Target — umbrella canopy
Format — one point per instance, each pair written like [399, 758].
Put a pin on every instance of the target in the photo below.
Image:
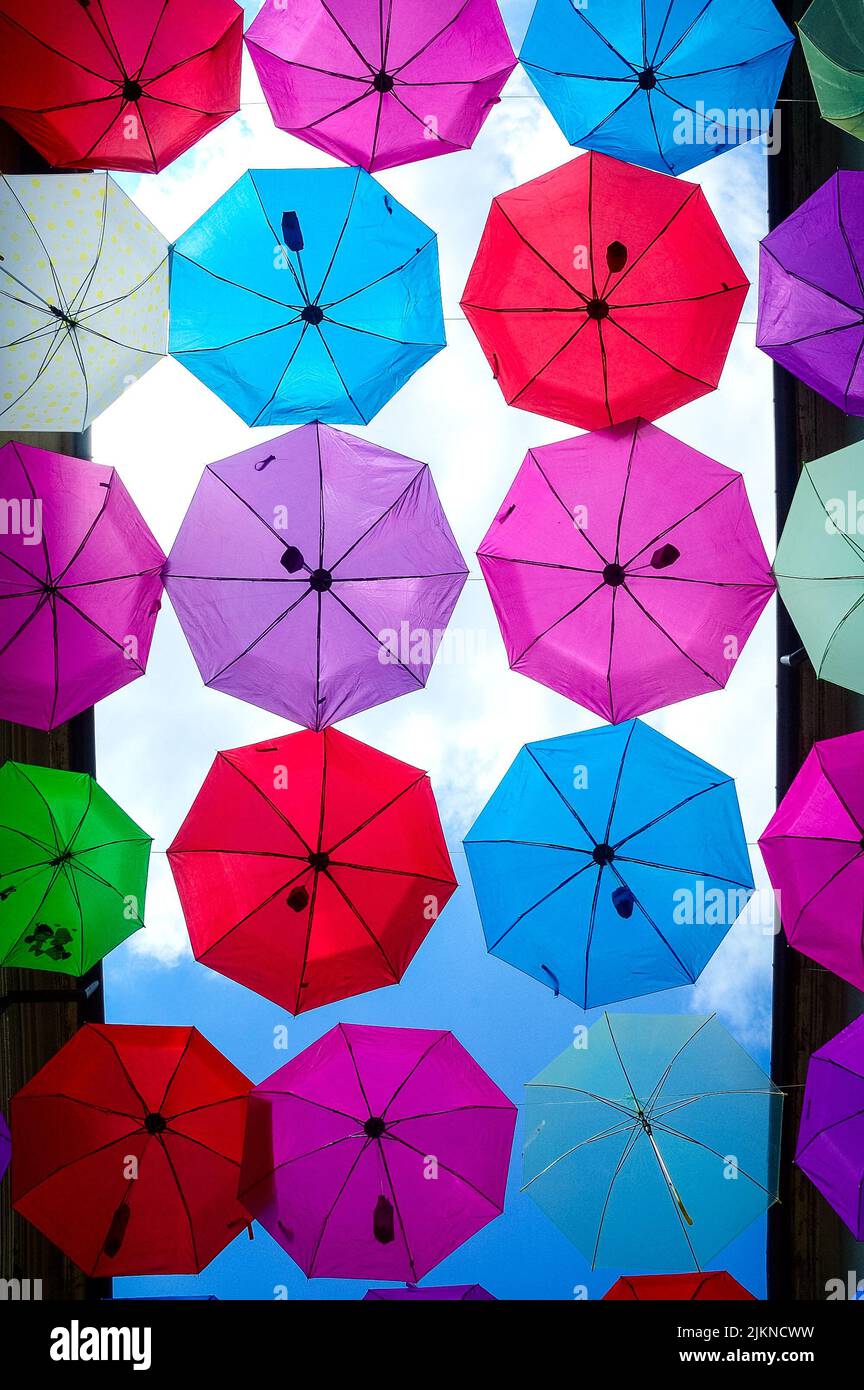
[73, 870]
[834, 49]
[664, 83]
[376, 1152]
[315, 575]
[813, 848]
[381, 94]
[714, 1287]
[80, 586]
[830, 1148]
[456, 1293]
[609, 864]
[654, 1143]
[84, 315]
[601, 292]
[126, 85]
[820, 566]
[811, 292]
[306, 294]
[311, 868]
[127, 1145]
[5, 1146]
[625, 569]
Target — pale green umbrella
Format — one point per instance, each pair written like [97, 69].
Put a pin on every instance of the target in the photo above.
[820, 565]
[832, 35]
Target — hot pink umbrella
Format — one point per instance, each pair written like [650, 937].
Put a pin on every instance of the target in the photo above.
[80, 586]
[626, 570]
[376, 88]
[452, 1293]
[813, 848]
[376, 1152]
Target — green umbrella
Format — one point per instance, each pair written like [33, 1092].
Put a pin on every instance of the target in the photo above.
[820, 565]
[833, 40]
[73, 870]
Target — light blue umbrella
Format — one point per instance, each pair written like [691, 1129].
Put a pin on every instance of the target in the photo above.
[652, 1142]
[306, 294]
[609, 864]
[663, 83]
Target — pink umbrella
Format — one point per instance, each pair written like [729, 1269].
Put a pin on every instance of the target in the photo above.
[381, 90]
[452, 1293]
[625, 569]
[813, 848]
[376, 1152]
[80, 586]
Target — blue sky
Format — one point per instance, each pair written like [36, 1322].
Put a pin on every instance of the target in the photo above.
[157, 737]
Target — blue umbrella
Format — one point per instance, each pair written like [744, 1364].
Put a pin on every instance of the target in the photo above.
[609, 864]
[305, 294]
[664, 83]
[652, 1142]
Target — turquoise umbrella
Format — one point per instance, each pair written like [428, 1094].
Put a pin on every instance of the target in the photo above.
[652, 1141]
[820, 565]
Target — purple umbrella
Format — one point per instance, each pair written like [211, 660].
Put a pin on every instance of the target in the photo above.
[811, 292]
[454, 1293]
[376, 1152]
[5, 1146]
[831, 1135]
[80, 586]
[314, 575]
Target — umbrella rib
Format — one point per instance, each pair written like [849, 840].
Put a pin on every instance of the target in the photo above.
[811, 284]
[650, 920]
[217, 675]
[347, 37]
[54, 826]
[844, 535]
[280, 243]
[655, 1094]
[688, 1139]
[246, 289]
[685, 35]
[546, 365]
[348, 1176]
[109, 1042]
[79, 1158]
[411, 1071]
[248, 506]
[397, 270]
[685, 202]
[539, 903]
[560, 499]
[372, 525]
[151, 40]
[382, 1155]
[38, 236]
[342, 381]
[853, 370]
[660, 628]
[56, 51]
[366, 927]
[681, 869]
[10, 950]
[727, 67]
[609, 691]
[656, 133]
[658, 355]
[835, 1124]
[559, 793]
[529, 844]
[181, 1057]
[375, 814]
[563, 618]
[338, 241]
[40, 844]
[540, 257]
[580, 14]
[83, 289]
[679, 521]
[848, 614]
[347, 1041]
[382, 337]
[39, 606]
[632, 1141]
[271, 804]
[847, 243]
[288, 365]
[451, 22]
[649, 825]
[190, 58]
[391, 655]
[664, 26]
[398, 873]
[579, 1091]
[819, 891]
[397, 1139]
[79, 357]
[92, 622]
[451, 1110]
[589, 935]
[57, 342]
[583, 1143]
[108, 41]
[182, 1195]
[106, 498]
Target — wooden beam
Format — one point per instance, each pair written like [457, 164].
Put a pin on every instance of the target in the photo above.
[808, 1245]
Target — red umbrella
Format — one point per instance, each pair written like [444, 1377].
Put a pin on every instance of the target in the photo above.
[601, 292]
[127, 1150]
[310, 868]
[712, 1287]
[129, 84]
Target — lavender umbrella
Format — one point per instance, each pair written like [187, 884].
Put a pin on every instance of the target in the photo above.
[831, 1135]
[811, 292]
[80, 586]
[314, 575]
[5, 1146]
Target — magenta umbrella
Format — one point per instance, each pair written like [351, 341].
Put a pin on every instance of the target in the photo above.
[830, 1148]
[453, 1293]
[5, 1146]
[314, 575]
[813, 848]
[376, 88]
[376, 1152]
[625, 569]
[80, 586]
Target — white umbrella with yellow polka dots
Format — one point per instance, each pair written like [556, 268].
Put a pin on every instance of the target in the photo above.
[83, 298]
